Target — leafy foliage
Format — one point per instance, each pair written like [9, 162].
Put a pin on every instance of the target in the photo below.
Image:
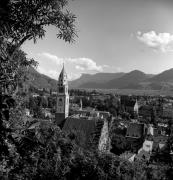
[6, 102]
[22, 20]
[14, 71]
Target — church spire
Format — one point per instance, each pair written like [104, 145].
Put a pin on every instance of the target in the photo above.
[62, 107]
[62, 77]
[63, 70]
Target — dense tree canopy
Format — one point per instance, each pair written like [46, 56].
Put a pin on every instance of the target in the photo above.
[22, 20]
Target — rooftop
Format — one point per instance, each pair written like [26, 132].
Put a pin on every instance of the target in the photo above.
[135, 130]
[83, 128]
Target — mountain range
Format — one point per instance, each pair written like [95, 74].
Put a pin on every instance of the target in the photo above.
[40, 81]
[133, 80]
[136, 79]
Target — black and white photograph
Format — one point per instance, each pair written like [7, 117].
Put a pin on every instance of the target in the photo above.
[86, 89]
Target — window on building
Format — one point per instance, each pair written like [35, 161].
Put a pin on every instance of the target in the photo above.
[60, 102]
[61, 89]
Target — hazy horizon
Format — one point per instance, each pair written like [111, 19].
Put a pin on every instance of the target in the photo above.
[105, 73]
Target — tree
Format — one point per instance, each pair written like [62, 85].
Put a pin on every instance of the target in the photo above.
[5, 133]
[14, 72]
[22, 20]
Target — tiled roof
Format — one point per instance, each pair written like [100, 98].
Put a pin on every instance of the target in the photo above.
[135, 130]
[81, 126]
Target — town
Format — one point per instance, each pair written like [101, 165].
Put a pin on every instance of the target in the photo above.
[133, 127]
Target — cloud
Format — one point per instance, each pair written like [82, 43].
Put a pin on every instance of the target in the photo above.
[51, 65]
[85, 64]
[80, 63]
[51, 73]
[160, 41]
[79, 68]
[51, 57]
[55, 74]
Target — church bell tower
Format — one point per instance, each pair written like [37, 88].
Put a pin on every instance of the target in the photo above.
[62, 104]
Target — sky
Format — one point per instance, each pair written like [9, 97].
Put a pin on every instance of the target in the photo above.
[113, 36]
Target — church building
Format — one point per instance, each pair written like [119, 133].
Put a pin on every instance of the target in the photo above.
[62, 106]
[91, 127]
